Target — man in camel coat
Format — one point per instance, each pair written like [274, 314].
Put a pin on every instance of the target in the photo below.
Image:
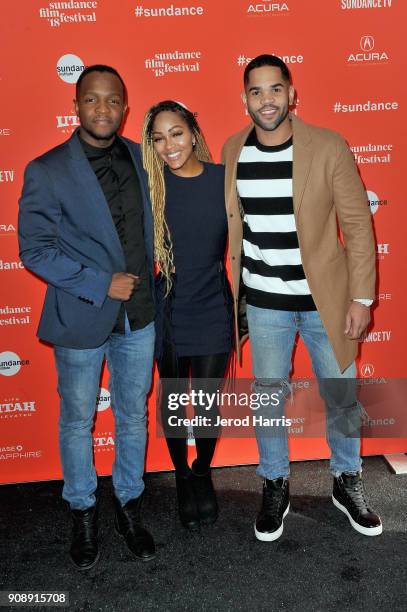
[288, 185]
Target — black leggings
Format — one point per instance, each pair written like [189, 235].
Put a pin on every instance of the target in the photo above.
[174, 372]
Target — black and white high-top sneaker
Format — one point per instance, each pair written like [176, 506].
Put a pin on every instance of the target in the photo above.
[275, 506]
[349, 496]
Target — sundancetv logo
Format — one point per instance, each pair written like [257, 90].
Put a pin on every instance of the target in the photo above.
[10, 363]
[377, 336]
[69, 68]
[365, 4]
[69, 12]
[169, 11]
[6, 176]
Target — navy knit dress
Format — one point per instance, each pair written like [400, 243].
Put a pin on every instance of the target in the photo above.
[196, 318]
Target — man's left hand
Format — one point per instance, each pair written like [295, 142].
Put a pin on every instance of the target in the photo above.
[357, 320]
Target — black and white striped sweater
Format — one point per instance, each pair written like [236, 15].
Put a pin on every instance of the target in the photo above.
[272, 267]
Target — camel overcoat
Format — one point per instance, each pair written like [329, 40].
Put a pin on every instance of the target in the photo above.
[327, 191]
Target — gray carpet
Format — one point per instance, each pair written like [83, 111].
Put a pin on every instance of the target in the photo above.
[319, 564]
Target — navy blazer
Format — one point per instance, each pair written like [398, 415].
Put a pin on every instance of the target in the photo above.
[67, 237]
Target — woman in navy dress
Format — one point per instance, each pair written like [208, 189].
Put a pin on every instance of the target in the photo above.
[194, 306]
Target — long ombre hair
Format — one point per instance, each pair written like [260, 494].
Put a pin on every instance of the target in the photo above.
[154, 166]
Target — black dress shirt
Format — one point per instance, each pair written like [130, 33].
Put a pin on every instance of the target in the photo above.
[117, 176]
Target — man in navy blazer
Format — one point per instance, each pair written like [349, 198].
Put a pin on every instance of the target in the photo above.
[85, 227]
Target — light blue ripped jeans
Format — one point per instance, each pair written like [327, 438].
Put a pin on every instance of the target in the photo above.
[272, 335]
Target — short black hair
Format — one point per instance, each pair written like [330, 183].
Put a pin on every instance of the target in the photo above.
[100, 68]
[266, 60]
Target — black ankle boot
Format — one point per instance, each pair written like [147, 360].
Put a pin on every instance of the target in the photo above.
[187, 507]
[84, 546]
[128, 524]
[205, 497]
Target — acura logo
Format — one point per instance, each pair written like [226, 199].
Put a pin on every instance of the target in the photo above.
[367, 370]
[367, 43]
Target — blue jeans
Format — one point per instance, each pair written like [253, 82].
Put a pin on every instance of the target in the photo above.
[272, 335]
[130, 360]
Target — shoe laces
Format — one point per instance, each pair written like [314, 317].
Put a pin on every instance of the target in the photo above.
[273, 499]
[85, 526]
[357, 494]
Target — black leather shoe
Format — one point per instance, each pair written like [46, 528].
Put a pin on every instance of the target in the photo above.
[187, 507]
[84, 547]
[269, 524]
[128, 524]
[205, 497]
[349, 496]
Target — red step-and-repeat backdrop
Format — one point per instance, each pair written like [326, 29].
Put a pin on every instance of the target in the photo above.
[346, 57]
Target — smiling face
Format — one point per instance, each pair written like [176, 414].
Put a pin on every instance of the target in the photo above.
[268, 96]
[174, 143]
[100, 107]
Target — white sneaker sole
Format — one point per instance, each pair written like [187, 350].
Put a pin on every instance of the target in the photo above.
[367, 531]
[270, 537]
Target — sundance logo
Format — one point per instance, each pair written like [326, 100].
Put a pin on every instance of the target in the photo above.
[375, 202]
[55, 14]
[69, 68]
[10, 265]
[103, 400]
[15, 315]
[174, 61]
[10, 363]
[367, 53]
[372, 153]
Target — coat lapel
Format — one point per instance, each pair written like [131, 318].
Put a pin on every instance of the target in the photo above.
[302, 160]
[88, 184]
[231, 165]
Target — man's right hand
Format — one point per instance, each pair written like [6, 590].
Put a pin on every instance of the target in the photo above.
[122, 286]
